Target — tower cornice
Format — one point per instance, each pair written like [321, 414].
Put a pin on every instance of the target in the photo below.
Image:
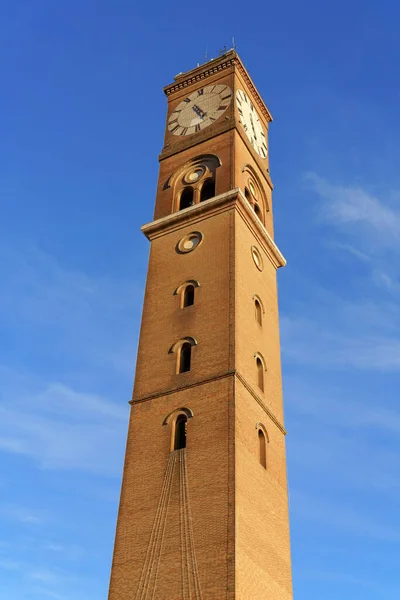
[232, 199]
[234, 373]
[216, 65]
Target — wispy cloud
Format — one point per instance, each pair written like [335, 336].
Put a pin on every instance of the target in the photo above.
[59, 427]
[337, 577]
[22, 514]
[72, 330]
[353, 322]
[54, 310]
[10, 565]
[317, 342]
[46, 581]
[355, 205]
[345, 518]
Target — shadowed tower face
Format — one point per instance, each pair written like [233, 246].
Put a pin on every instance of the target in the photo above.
[204, 509]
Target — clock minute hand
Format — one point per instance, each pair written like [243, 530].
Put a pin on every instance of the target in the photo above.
[252, 125]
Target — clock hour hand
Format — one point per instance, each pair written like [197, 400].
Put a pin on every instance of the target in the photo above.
[200, 112]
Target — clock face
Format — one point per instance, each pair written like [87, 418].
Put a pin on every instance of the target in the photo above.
[200, 109]
[251, 123]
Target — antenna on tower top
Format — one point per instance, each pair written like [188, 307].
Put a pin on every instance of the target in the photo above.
[233, 43]
[206, 55]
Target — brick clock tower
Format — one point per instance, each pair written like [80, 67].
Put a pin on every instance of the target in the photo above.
[204, 503]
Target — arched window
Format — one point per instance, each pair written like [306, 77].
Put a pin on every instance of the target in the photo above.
[260, 373]
[188, 295]
[258, 311]
[178, 419]
[255, 193]
[185, 356]
[262, 448]
[257, 210]
[180, 432]
[207, 190]
[186, 199]
[199, 174]
[186, 292]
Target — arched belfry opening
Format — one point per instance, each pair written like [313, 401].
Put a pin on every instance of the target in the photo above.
[254, 192]
[186, 198]
[194, 182]
[207, 190]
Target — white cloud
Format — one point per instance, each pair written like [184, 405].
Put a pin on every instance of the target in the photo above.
[10, 565]
[337, 577]
[353, 323]
[354, 205]
[59, 427]
[46, 576]
[71, 329]
[320, 343]
[22, 514]
[54, 310]
[343, 517]
[70, 551]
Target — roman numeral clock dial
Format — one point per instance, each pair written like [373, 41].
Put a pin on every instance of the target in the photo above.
[200, 109]
[251, 123]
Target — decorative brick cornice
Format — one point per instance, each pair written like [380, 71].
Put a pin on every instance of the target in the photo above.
[234, 373]
[259, 401]
[199, 73]
[234, 198]
[254, 92]
[230, 59]
[179, 388]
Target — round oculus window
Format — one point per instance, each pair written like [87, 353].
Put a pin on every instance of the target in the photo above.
[194, 175]
[189, 242]
[252, 189]
[258, 261]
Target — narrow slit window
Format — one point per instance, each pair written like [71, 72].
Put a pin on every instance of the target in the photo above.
[258, 311]
[260, 374]
[188, 296]
[208, 190]
[186, 198]
[185, 358]
[262, 444]
[180, 432]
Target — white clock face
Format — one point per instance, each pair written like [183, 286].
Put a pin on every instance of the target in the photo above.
[200, 109]
[251, 123]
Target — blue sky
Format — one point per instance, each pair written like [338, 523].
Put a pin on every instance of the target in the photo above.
[81, 116]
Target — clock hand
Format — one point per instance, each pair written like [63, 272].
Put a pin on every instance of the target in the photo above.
[199, 111]
[252, 125]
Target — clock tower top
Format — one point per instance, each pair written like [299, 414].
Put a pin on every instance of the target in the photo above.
[229, 59]
[216, 111]
[221, 94]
